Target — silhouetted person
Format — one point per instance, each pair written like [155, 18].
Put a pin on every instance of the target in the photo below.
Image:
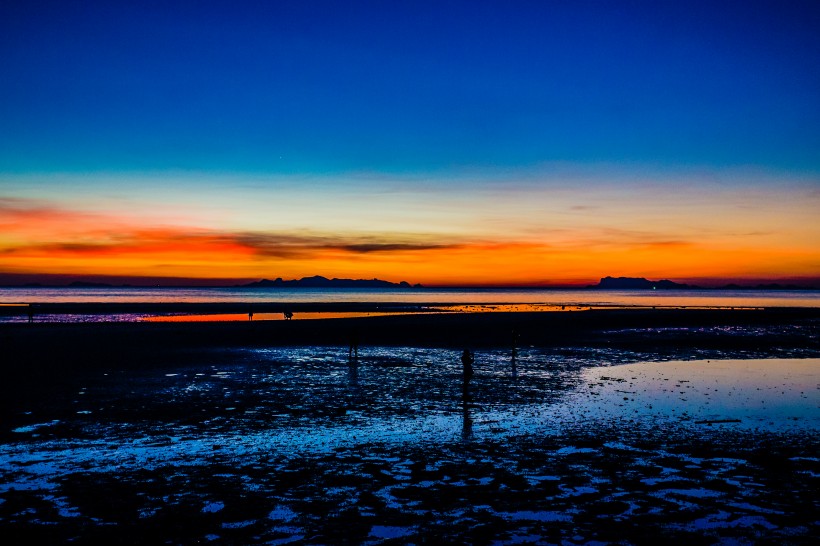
[30, 313]
[467, 374]
[467, 364]
[250, 315]
[288, 315]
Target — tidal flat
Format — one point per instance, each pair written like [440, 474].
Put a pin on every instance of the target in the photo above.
[306, 445]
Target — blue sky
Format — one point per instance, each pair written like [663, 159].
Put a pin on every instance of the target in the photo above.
[324, 87]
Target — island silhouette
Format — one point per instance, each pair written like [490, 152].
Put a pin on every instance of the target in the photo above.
[639, 283]
[317, 281]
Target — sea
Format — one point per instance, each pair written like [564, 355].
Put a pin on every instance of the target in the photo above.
[498, 296]
[15, 303]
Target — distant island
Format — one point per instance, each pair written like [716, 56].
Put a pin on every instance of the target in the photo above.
[318, 281]
[639, 283]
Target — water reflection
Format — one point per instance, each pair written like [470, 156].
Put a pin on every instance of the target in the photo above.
[353, 372]
[235, 317]
[514, 355]
[466, 422]
[771, 394]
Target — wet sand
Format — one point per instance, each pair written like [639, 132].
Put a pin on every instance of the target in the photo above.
[408, 327]
[136, 311]
[47, 351]
[229, 433]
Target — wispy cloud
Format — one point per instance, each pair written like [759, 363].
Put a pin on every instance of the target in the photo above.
[44, 230]
[396, 247]
[285, 244]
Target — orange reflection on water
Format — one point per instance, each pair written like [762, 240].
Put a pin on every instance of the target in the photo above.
[513, 308]
[238, 317]
[313, 315]
[474, 308]
[543, 307]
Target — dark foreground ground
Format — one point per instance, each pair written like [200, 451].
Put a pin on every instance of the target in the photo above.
[581, 487]
[53, 344]
[266, 434]
[36, 356]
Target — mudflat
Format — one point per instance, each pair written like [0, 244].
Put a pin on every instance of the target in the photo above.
[273, 433]
[771, 326]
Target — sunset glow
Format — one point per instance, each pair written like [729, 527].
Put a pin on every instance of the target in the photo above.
[526, 238]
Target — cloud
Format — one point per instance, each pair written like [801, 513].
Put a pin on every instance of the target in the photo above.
[36, 229]
[285, 245]
[395, 247]
[38, 220]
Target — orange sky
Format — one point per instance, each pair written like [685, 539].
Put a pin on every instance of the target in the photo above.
[487, 233]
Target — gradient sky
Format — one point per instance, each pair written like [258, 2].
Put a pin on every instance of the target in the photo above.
[433, 142]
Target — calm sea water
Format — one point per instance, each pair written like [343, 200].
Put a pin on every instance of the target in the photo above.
[585, 297]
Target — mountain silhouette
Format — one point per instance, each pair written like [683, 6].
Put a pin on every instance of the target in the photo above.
[639, 283]
[318, 281]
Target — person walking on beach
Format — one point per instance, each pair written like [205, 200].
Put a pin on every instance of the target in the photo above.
[30, 313]
[250, 315]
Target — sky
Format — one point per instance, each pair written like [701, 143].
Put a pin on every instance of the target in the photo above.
[442, 143]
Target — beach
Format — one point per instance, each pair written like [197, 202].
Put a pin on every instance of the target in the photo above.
[607, 425]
